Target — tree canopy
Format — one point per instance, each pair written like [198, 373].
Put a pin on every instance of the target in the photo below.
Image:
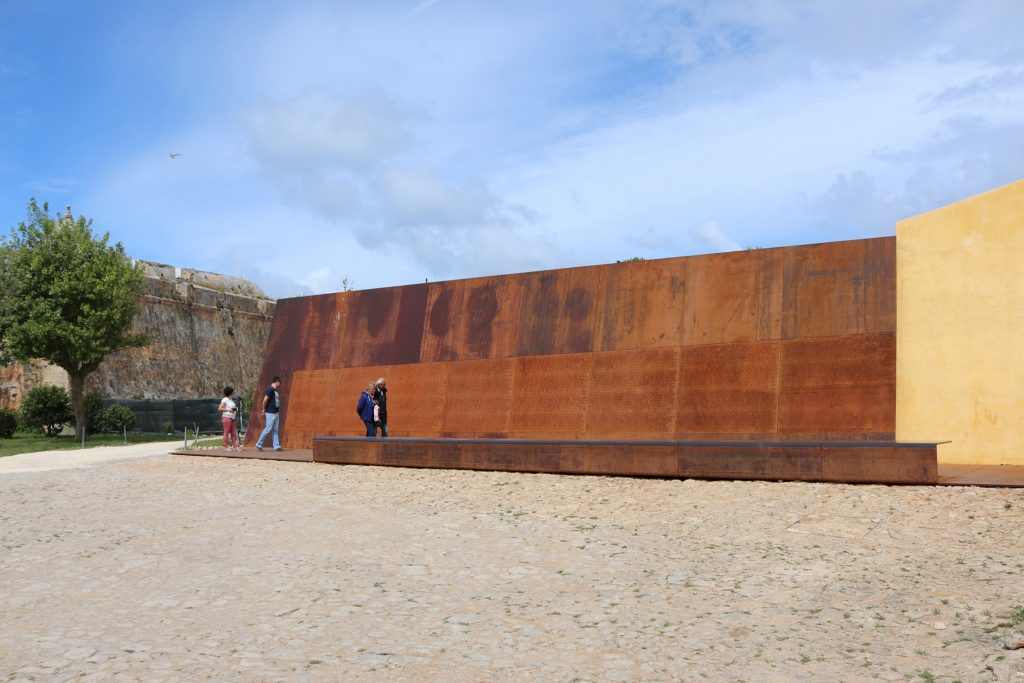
[66, 296]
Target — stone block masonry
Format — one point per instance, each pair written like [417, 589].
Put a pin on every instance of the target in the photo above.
[206, 330]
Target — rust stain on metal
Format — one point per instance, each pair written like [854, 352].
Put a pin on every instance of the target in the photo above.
[481, 311]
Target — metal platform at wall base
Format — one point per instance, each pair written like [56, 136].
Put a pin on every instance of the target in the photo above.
[875, 462]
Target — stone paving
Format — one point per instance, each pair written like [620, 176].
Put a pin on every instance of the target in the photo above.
[176, 568]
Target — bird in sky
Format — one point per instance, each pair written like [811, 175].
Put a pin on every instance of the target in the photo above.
[174, 155]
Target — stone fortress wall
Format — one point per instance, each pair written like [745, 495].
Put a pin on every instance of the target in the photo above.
[206, 330]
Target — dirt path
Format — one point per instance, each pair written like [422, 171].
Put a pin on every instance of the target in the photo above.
[44, 461]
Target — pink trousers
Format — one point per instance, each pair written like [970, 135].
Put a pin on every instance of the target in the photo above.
[230, 437]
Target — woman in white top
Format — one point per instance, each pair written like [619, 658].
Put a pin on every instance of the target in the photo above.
[228, 416]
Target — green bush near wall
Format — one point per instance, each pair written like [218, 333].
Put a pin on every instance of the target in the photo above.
[8, 423]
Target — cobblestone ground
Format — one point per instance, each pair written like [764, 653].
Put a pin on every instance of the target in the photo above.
[183, 568]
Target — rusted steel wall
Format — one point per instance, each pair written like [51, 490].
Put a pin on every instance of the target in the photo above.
[860, 461]
[795, 342]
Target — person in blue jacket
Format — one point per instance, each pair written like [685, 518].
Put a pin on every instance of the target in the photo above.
[365, 409]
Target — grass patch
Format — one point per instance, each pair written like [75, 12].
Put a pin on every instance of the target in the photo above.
[33, 443]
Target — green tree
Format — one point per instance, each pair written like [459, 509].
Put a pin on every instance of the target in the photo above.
[46, 408]
[66, 296]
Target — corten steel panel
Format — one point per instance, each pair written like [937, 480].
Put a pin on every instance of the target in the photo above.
[621, 309]
[409, 330]
[312, 391]
[483, 318]
[838, 410]
[370, 327]
[839, 288]
[633, 394]
[416, 398]
[314, 335]
[421, 454]
[854, 360]
[322, 403]
[512, 457]
[838, 384]
[365, 452]
[334, 329]
[882, 465]
[444, 319]
[728, 388]
[557, 313]
[733, 297]
[641, 304]
[538, 313]
[633, 460]
[549, 396]
[479, 398]
[801, 463]
[511, 294]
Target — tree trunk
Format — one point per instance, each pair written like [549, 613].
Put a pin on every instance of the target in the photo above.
[78, 403]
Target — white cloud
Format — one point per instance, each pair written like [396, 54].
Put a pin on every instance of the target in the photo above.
[421, 197]
[316, 131]
[710, 234]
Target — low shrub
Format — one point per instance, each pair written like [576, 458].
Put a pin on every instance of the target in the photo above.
[8, 423]
[46, 408]
[115, 418]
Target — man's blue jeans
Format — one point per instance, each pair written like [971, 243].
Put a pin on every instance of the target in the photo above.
[271, 428]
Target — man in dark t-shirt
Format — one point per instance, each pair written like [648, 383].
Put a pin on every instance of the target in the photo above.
[270, 411]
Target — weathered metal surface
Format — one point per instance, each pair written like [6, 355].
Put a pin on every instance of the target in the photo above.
[351, 452]
[750, 461]
[880, 464]
[740, 297]
[557, 311]
[632, 394]
[441, 329]
[322, 403]
[409, 330]
[479, 398]
[911, 463]
[509, 456]
[549, 396]
[372, 326]
[640, 304]
[748, 345]
[729, 388]
[649, 460]
[416, 398]
[838, 384]
[839, 288]
[483, 320]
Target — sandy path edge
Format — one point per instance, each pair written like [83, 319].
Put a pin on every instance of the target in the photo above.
[43, 461]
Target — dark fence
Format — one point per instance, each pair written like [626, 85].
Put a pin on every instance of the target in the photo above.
[151, 415]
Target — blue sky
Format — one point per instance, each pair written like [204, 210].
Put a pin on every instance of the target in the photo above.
[393, 142]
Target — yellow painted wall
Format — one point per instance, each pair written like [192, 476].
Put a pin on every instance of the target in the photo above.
[960, 328]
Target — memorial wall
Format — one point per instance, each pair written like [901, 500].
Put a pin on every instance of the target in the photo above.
[793, 343]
